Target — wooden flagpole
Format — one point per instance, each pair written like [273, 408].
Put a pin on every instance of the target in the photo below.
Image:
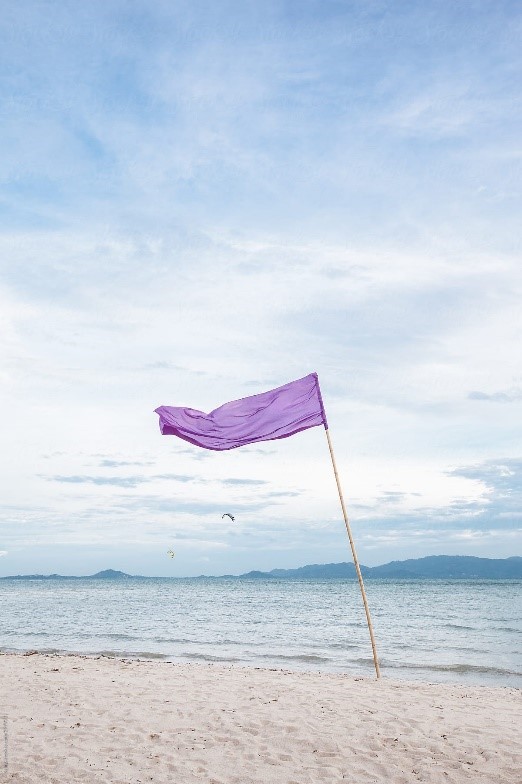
[355, 561]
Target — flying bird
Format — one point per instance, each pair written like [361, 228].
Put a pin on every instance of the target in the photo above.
[171, 553]
[227, 514]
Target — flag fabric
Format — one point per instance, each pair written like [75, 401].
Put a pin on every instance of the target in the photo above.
[278, 413]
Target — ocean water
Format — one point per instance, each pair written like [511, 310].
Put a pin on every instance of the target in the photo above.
[438, 631]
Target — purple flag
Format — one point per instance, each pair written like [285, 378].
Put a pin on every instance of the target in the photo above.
[276, 414]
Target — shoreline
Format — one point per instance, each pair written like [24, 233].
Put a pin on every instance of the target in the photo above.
[450, 674]
[230, 664]
[73, 717]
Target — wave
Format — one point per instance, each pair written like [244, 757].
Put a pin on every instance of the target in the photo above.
[303, 657]
[210, 658]
[460, 626]
[128, 654]
[113, 636]
[193, 641]
[460, 669]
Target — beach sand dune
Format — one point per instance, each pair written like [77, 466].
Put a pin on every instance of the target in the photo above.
[78, 719]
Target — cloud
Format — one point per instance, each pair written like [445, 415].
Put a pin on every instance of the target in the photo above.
[512, 396]
[107, 463]
[493, 512]
[283, 494]
[178, 505]
[111, 481]
[162, 365]
[121, 481]
[244, 482]
[502, 483]
[176, 478]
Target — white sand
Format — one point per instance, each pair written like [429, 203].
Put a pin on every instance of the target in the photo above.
[78, 719]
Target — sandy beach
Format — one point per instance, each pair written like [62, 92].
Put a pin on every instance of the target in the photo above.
[80, 719]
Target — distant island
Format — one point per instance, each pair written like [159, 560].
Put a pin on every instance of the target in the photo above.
[432, 567]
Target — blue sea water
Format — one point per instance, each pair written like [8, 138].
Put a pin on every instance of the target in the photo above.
[440, 631]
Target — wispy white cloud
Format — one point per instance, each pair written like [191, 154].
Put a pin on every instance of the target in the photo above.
[510, 396]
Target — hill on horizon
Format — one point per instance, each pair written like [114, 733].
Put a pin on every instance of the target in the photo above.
[429, 567]
[434, 567]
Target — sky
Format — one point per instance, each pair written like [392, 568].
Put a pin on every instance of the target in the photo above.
[203, 200]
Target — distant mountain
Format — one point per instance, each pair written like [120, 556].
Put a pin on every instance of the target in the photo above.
[433, 567]
[320, 570]
[256, 575]
[106, 574]
[452, 567]
[110, 574]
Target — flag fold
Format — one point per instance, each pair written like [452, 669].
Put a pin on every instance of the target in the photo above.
[278, 413]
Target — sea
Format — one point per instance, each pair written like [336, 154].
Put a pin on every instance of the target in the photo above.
[453, 631]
